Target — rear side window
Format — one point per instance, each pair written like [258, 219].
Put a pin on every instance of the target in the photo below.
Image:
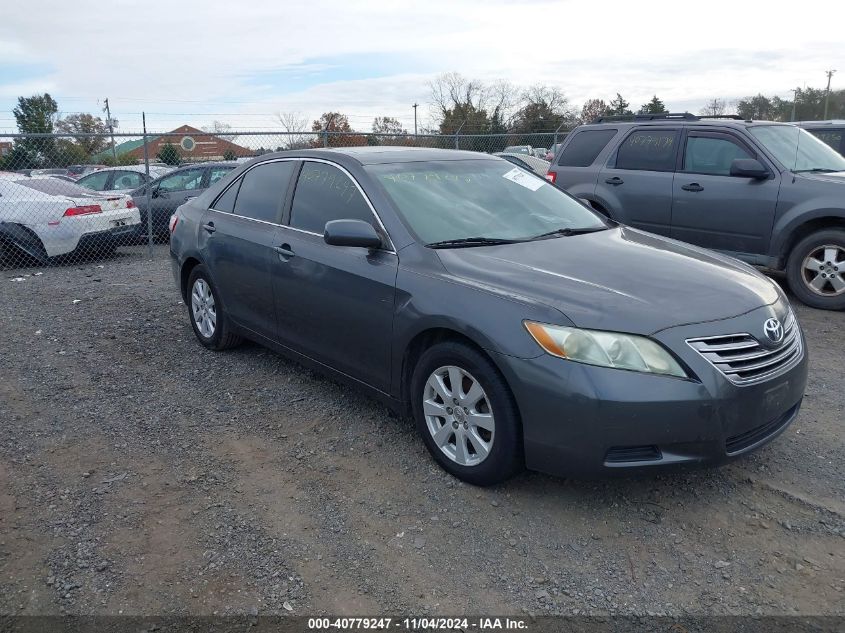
[324, 193]
[262, 189]
[226, 202]
[832, 137]
[650, 150]
[585, 147]
[217, 173]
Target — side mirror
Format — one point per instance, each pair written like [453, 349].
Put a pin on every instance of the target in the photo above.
[351, 233]
[748, 168]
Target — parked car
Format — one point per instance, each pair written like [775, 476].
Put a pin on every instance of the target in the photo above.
[770, 194]
[540, 152]
[174, 188]
[123, 179]
[56, 171]
[831, 132]
[77, 171]
[47, 217]
[531, 163]
[519, 149]
[553, 150]
[518, 326]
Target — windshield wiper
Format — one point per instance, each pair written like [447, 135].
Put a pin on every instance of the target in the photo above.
[569, 231]
[471, 241]
[817, 170]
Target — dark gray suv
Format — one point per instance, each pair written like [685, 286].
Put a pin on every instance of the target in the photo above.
[516, 325]
[770, 194]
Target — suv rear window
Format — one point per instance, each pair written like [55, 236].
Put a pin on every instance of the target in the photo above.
[584, 147]
[651, 150]
[831, 136]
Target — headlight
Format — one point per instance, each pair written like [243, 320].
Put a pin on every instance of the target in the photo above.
[605, 349]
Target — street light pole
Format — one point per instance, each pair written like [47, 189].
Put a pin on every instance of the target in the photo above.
[415, 118]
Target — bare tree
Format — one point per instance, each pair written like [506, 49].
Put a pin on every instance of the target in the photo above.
[452, 89]
[295, 124]
[715, 107]
[220, 130]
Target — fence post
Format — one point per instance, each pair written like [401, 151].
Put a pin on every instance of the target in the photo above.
[556, 131]
[458, 135]
[148, 189]
[326, 131]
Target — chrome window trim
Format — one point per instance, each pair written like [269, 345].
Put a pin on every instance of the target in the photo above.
[392, 248]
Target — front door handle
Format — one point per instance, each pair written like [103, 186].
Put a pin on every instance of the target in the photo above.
[615, 181]
[693, 186]
[284, 251]
[209, 227]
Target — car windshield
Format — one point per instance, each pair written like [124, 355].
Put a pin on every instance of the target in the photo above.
[491, 199]
[56, 187]
[797, 149]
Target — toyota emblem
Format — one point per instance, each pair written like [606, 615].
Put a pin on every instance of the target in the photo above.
[773, 330]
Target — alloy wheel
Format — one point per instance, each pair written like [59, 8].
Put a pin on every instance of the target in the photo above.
[459, 415]
[203, 308]
[822, 270]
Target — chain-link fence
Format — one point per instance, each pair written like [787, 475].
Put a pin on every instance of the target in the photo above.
[72, 198]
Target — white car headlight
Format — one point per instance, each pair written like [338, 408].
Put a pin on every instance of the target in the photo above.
[605, 349]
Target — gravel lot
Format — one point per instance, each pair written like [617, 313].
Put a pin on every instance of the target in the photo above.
[143, 474]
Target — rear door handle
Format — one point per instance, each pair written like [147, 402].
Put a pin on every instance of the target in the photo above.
[209, 227]
[616, 180]
[693, 186]
[284, 251]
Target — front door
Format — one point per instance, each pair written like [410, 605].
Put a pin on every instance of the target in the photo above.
[335, 303]
[173, 191]
[713, 209]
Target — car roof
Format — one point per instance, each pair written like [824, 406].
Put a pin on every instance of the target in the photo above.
[831, 122]
[683, 119]
[375, 155]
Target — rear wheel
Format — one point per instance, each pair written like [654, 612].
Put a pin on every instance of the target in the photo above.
[816, 269]
[208, 318]
[466, 414]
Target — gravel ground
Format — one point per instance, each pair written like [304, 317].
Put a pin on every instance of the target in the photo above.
[142, 474]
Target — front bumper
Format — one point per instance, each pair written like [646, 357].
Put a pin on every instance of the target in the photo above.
[582, 420]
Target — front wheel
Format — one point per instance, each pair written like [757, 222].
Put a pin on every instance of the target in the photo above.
[816, 269]
[208, 319]
[466, 414]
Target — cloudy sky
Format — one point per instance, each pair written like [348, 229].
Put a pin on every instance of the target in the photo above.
[188, 61]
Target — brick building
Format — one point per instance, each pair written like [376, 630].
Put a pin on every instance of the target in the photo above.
[193, 145]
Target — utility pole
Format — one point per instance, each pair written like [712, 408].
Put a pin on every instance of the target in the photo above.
[110, 123]
[829, 74]
[415, 118]
[794, 92]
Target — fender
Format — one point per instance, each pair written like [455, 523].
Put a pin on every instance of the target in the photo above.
[798, 216]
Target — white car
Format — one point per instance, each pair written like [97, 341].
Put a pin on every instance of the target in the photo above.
[46, 217]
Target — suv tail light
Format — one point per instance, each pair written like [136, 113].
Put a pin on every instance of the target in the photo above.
[83, 210]
[130, 204]
[551, 176]
[174, 219]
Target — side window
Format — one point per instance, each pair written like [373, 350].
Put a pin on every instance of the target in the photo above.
[585, 147]
[711, 155]
[831, 137]
[226, 202]
[127, 180]
[324, 193]
[651, 150]
[182, 180]
[262, 190]
[217, 173]
[96, 181]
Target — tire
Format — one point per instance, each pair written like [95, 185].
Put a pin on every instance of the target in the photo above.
[208, 319]
[821, 253]
[499, 433]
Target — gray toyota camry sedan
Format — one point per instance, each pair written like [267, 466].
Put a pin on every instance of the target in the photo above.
[516, 326]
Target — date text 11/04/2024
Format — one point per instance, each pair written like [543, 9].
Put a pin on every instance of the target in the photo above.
[417, 624]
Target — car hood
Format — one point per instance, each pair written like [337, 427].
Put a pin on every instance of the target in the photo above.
[620, 279]
[833, 176]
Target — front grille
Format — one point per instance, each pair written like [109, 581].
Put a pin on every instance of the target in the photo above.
[744, 360]
[738, 443]
[621, 454]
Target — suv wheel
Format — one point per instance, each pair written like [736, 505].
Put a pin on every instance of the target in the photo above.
[208, 319]
[816, 269]
[466, 414]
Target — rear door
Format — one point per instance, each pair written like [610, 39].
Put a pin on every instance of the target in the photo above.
[711, 208]
[636, 183]
[335, 303]
[238, 235]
